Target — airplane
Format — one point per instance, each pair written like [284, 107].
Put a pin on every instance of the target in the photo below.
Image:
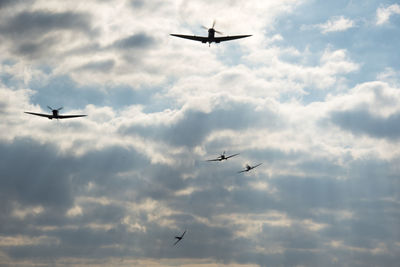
[211, 36]
[223, 157]
[55, 114]
[179, 238]
[248, 167]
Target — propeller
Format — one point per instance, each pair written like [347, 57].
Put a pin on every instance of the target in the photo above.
[213, 25]
[54, 109]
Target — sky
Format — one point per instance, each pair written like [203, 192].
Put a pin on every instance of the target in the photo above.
[313, 95]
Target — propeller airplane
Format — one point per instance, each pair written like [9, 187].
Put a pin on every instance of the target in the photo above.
[223, 157]
[179, 238]
[55, 114]
[211, 36]
[249, 168]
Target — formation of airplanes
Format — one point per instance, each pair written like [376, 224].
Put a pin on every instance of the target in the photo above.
[211, 38]
[223, 157]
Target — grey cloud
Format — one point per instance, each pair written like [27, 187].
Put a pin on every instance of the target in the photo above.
[108, 163]
[35, 49]
[149, 6]
[118, 242]
[5, 3]
[135, 41]
[275, 155]
[3, 107]
[33, 24]
[361, 121]
[321, 167]
[321, 189]
[82, 241]
[91, 48]
[137, 3]
[195, 126]
[99, 213]
[32, 176]
[297, 197]
[100, 66]
[77, 243]
[63, 91]
[36, 174]
[35, 34]
[9, 3]
[28, 48]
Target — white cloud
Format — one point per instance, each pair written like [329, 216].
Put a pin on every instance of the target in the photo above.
[75, 211]
[336, 24]
[383, 14]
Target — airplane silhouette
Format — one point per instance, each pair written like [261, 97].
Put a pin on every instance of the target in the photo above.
[55, 114]
[223, 157]
[211, 36]
[179, 238]
[248, 168]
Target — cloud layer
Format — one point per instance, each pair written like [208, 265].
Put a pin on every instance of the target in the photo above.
[314, 96]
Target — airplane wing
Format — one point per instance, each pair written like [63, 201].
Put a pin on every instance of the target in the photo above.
[243, 171]
[256, 166]
[231, 156]
[40, 114]
[183, 234]
[69, 116]
[192, 37]
[214, 159]
[228, 38]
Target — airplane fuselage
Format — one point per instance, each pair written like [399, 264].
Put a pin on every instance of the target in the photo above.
[55, 114]
[211, 37]
[211, 34]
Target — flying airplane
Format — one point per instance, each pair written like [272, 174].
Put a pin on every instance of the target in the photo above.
[55, 114]
[223, 157]
[179, 238]
[211, 36]
[248, 167]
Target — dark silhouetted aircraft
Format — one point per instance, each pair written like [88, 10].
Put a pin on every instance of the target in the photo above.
[248, 167]
[211, 36]
[55, 114]
[223, 157]
[179, 238]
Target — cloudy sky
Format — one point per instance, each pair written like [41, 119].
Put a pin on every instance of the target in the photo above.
[314, 95]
